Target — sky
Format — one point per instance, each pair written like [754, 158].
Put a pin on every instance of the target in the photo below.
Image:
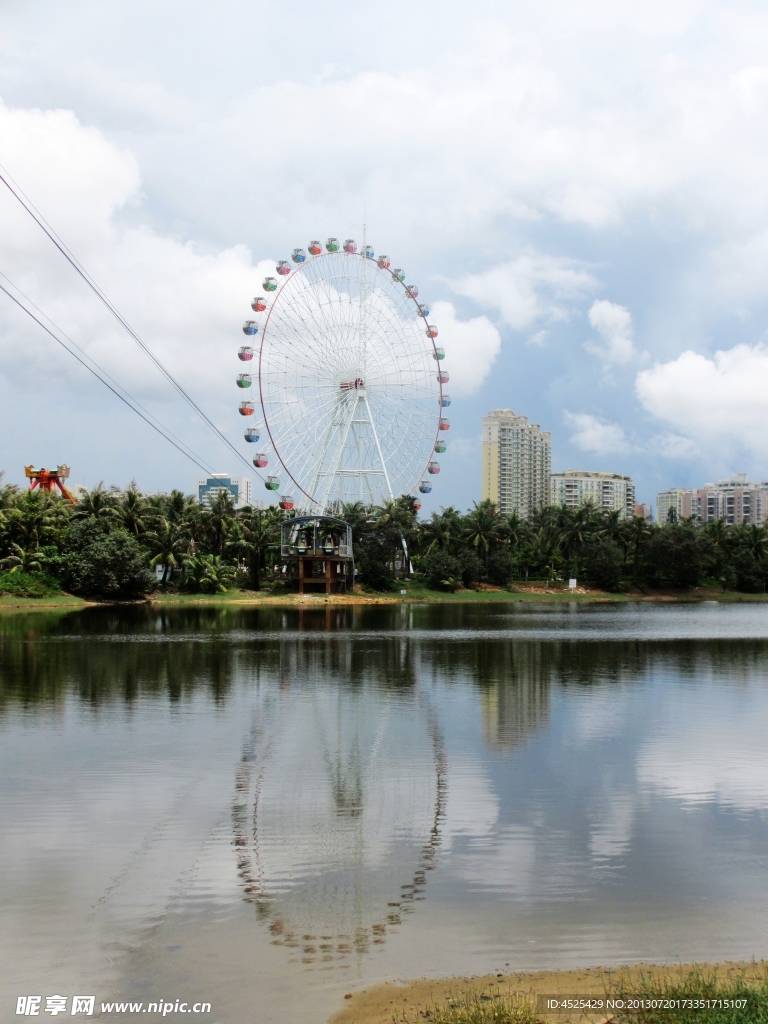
[580, 192]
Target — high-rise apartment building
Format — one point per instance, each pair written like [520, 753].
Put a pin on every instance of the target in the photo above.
[734, 500]
[608, 492]
[517, 456]
[238, 487]
[676, 503]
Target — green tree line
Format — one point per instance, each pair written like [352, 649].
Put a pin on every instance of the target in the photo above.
[110, 545]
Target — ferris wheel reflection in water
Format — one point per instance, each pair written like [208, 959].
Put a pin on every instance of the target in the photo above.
[340, 795]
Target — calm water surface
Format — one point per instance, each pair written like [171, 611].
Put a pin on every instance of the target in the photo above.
[265, 808]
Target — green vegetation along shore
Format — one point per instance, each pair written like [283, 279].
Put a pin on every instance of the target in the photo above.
[117, 546]
[727, 993]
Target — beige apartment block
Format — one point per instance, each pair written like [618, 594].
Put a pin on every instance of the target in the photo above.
[683, 501]
[736, 501]
[608, 492]
[517, 456]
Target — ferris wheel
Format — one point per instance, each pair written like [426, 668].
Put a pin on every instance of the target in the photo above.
[350, 379]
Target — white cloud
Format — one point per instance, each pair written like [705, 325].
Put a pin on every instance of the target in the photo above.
[529, 289]
[672, 446]
[508, 862]
[540, 141]
[501, 123]
[594, 435]
[533, 116]
[712, 401]
[602, 437]
[471, 347]
[186, 301]
[612, 832]
[614, 325]
[472, 808]
[188, 304]
[705, 762]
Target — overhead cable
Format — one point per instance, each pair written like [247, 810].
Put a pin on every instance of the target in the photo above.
[103, 375]
[116, 390]
[38, 218]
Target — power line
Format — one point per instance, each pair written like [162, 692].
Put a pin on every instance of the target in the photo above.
[102, 373]
[35, 214]
[160, 430]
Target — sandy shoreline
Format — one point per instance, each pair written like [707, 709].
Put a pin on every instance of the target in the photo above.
[408, 1000]
[527, 594]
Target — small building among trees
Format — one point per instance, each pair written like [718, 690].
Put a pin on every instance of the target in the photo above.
[317, 551]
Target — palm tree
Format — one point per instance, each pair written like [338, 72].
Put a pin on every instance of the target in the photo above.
[179, 507]
[22, 561]
[396, 522]
[8, 493]
[259, 533]
[209, 573]
[357, 515]
[134, 510]
[545, 528]
[638, 532]
[484, 528]
[96, 504]
[37, 519]
[753, 538]
[169, 543]
[517, 529]
[219, 521]
[442, 532]
[580, 525]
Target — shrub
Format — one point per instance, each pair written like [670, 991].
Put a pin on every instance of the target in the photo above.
[604, 561]
[748, 572]
[501, 566]
[208, 574]
[443, 571]
[102, 564]
[471, 569]
[678, 554]
[372, 562]
[28, 584]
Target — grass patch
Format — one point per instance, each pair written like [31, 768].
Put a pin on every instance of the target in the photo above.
[480, 1008]
[685, 996]
[694, 996]
[28, 584]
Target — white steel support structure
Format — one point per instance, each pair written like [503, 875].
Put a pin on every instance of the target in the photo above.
[354, 418]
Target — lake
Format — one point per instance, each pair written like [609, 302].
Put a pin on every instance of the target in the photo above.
[266, 808]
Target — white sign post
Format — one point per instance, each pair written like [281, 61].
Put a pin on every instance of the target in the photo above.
[571, 584]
